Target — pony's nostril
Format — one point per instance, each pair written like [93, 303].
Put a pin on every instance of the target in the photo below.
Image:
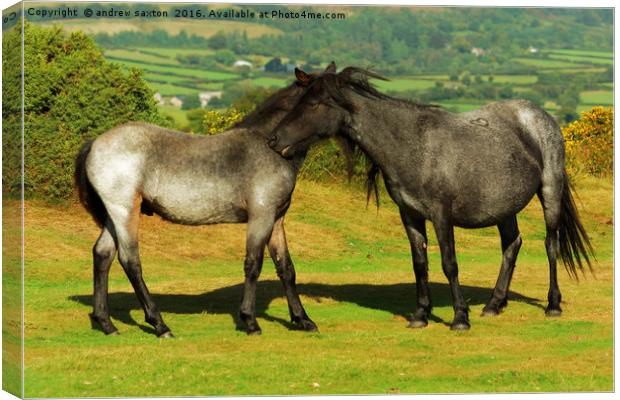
[272, 140]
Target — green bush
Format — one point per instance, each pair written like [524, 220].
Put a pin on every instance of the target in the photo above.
[71, 94]
[590, 143]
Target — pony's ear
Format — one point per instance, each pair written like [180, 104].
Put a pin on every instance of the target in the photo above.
[303, 78]
[331, 68]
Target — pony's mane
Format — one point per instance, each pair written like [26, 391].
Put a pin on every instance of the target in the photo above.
[357, 79]
[266, 108]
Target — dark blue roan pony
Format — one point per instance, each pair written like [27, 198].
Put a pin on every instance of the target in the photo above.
[472, 170]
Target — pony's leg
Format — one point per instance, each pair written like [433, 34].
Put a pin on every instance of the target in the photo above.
[551, 202]
[278, 249]
[445, 238]
[416, 232]
[104, 251]
[126, 220]
[259, 231]
[511, 243]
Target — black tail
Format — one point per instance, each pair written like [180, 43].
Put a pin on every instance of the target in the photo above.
[88, 196]
[574, 243]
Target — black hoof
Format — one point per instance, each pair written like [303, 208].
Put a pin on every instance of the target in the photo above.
[417, 323]
[103, 324]
[490, 312]
[307, 325]
[553, 312]
[256, 332]
[166, 335]
[460, 326]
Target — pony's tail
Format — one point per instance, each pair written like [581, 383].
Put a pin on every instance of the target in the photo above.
[575, 246]
[88, 196]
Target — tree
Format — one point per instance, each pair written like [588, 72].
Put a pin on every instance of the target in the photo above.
[191, 101]
[72, 94]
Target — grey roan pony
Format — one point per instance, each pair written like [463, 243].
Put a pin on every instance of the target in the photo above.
[472, 170]
[189, 179]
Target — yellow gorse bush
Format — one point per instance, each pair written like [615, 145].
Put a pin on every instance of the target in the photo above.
[589, 142]
[218, 121]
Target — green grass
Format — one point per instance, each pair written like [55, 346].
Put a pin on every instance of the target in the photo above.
[597, 97]
[354, 275]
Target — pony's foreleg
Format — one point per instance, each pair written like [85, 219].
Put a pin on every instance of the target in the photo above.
[511, 243]
[126, 221]
[416, 232]
[445, 237]
[104, 251]
[259, 231]
[278, 249]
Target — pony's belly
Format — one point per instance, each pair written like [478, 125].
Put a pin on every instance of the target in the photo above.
[490, 211]
[197, 208]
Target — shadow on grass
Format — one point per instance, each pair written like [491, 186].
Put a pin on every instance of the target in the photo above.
[398, 299]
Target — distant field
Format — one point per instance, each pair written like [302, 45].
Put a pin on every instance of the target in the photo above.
[398, 85]
[172, 52]
[171, 25]
[460, 107]
[137, 56]
[596, 97]
[271, 82]
[167, 89]
[196, 73]
[591, 60]
[516, 79]
[180, 116]
[545, 63]
[583, 53]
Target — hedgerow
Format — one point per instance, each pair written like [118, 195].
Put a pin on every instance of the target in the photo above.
[71, 94]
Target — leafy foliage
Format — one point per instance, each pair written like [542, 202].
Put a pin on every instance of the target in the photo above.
[71, 94]
[215, 121]
[590, 142]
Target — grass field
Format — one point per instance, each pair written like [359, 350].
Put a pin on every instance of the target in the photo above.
[354, 275]
[172, 26]
[597, 97]
[545, 63]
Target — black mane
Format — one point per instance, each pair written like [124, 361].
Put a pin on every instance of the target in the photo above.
[357, 79]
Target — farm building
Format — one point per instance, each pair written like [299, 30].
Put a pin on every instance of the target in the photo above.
[206, 97]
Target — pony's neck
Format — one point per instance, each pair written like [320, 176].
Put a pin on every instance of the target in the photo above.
[381, 127]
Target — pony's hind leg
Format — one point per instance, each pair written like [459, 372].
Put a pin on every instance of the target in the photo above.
[511, 243]
[104, 251]
[416, 232]
[260, 226]
[550, 197]
[278, 249]
[126, 220]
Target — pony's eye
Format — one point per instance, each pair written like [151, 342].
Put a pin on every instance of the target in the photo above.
[314, 105]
